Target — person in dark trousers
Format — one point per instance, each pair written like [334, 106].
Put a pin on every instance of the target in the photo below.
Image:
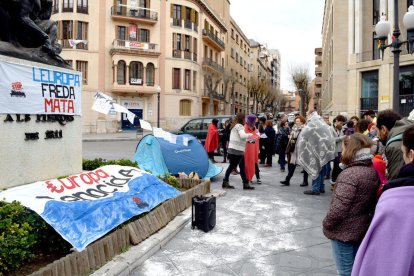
[339, 136]
[262, 150]
[225, 139]
[212, 140]
[281, 144]
[292, 152]
[269, 141]
[237, 146]
[390, 127]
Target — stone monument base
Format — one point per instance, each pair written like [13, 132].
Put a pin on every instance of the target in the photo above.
[38, 147]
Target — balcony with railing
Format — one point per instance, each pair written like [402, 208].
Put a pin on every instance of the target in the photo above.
[369, 104]
[82, 9]
[188, 24]
[318, 71]
[177, 22]
[318, 81]
[210, 64]
[187, 55]
[213, 40]
[216, 95]
[194, 57]
[318, 60]
[141, 15]
[120, 46]
[177, 54]
[67, 8]
[74, 44]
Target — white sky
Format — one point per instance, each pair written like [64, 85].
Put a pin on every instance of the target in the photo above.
[291, 26]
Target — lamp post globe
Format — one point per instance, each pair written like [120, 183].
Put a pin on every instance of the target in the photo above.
[158, 90]
[383, 28]
[408, 19]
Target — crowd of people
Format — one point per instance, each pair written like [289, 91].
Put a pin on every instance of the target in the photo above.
[369, 163]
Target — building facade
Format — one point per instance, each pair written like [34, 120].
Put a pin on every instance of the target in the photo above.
[355, 76]
[133, 49]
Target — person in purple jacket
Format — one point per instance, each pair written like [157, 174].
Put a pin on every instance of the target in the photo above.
[388, 246]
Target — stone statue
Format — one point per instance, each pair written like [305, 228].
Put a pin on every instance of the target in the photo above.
[28, 33]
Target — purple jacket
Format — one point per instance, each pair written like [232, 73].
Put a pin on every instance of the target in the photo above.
[388, 246]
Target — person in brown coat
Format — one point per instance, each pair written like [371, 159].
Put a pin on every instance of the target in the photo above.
[353, 201]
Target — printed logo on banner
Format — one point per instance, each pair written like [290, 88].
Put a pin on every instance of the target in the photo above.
[17, 90]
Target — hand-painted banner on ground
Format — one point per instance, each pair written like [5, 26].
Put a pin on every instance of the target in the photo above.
[34, 90]
[84, 207]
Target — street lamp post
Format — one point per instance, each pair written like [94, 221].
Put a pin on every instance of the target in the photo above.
[158, 90]
[382, 29]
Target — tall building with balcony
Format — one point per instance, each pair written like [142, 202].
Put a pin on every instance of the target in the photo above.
[238, 58]
[335, 57]
[127, 48]
[274, 67]
[368, 82]
[317, 82]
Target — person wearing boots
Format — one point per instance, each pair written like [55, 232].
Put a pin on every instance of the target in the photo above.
[270, 140]
[237, 146]
[212, 140]
[292, 152]
[225, 139]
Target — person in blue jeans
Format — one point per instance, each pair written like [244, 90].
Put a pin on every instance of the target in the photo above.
[318, 185]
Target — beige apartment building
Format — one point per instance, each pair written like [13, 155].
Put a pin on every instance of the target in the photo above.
[355, 77]
[133, 49]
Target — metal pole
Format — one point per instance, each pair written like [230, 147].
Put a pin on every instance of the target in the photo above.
[158, 111]
[396, 50]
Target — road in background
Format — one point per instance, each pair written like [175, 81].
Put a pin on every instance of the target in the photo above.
[109, 150]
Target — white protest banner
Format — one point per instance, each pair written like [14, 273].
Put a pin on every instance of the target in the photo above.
[185, 141]
[121, 109]
[84, 207]
[145, 125]
[36, 90]
[102, 103]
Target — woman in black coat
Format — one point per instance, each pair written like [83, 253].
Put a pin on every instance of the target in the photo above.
[271, 134]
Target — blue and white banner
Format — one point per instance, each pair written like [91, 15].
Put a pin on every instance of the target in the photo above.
[35, 90]
[84, 207]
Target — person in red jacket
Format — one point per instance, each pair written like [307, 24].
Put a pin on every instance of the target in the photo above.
[212, 139]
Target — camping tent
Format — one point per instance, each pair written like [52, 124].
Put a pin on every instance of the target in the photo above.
[187, 155]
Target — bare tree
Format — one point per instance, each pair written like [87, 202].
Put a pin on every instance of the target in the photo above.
[257, 89]
[211, 82]
[229, 84]
[300, 78]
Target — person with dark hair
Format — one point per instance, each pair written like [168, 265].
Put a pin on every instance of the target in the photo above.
[237, 146]
[353, 200]
[354, 119]
[362, 126]
[251, 155]
[388, 246]
[292, 152]
[282, 139]
[370, 116]
[225, 139]
[350, 129]
[262, 150]
[212, 139]
[390, 127]
[338, 138]
[269, 141]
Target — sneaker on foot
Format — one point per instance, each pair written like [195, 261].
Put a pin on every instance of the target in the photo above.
[304, 184]
[259, 181]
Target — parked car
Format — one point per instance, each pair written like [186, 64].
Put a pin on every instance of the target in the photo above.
[198, 127]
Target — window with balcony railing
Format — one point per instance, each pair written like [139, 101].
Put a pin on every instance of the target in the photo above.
[176, 15]
[67, 6]
[82, 6]
[369, 90]
[136, 73]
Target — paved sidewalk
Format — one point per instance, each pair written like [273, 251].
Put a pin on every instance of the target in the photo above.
[272, 230]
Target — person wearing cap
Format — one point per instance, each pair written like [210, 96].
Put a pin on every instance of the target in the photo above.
[212, 139]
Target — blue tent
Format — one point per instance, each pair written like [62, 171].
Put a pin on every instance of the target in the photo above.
[162, 157]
